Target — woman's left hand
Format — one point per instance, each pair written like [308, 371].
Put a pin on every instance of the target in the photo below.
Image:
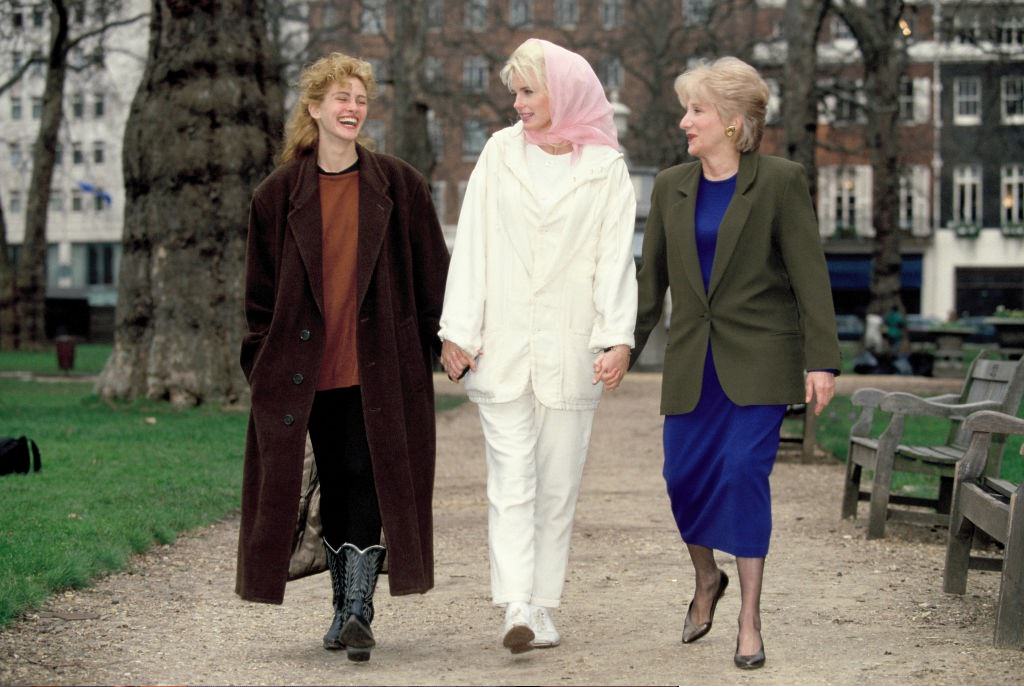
[610, 367]
[821, 386]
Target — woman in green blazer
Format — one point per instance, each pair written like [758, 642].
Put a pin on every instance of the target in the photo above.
[734, 238]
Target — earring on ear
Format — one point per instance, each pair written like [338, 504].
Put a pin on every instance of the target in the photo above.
[730, 131]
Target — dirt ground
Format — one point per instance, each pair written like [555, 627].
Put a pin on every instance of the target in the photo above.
[837, 609]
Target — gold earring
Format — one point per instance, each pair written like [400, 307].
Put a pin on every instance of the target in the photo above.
[730, 131]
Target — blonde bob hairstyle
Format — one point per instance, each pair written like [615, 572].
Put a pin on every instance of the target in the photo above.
[300, 133]
[526, 62]
[734, 89]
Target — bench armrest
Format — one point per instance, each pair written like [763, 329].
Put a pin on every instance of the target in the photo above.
[867, 397]
[982, 425]
[909, 404]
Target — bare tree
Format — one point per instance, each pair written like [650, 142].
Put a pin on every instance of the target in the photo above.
[802, 24]
[198, 140]
[6, 287]
[875, 25]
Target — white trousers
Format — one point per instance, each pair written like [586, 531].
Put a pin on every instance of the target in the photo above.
[535, 458]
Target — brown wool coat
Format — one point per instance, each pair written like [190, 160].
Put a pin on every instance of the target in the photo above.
[402, 267]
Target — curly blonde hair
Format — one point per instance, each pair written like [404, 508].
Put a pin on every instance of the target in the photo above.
[734, 88]
[301, 134]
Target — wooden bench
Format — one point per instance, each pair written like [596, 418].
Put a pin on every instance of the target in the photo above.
[990, 385]
[807, 439]
[996, 507]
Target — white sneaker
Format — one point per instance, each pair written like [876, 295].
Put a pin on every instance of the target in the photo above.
[516, 634]
[545, 634]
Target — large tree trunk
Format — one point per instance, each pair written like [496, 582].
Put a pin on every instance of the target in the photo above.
[803, 19]
[408, 110]
[197, 142]
[875, 26]
[30, 326]
[7, 315]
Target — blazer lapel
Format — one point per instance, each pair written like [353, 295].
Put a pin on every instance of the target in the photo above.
[375, 207]
[306, 226]
[686, 237]
[734, 220]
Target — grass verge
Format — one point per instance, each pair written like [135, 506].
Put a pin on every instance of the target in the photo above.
[89, 360]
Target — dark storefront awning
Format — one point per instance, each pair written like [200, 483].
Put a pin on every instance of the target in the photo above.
[853, 272]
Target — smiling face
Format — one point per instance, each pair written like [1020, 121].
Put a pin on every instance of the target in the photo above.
[341, 113]
[705, 130]
[533, 107]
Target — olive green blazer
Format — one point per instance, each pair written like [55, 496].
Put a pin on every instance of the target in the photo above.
[768, 310]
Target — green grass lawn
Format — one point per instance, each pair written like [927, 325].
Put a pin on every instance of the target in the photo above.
[89, 359]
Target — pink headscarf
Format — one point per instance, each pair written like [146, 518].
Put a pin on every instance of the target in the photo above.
[580, 112]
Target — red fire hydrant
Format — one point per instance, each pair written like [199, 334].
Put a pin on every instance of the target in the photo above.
[65, 352]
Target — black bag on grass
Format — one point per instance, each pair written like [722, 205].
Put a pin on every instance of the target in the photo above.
[15, 454]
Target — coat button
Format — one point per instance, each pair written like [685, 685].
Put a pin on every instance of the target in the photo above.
[289, 420]
[304, 335]
[297, 378]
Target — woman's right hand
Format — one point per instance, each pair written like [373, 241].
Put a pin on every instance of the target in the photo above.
[455, 360]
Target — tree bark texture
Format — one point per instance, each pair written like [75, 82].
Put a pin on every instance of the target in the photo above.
[875, 26]
[7, 315]
[408, 103]
[196, 144]
[803, 20]
[30, 276]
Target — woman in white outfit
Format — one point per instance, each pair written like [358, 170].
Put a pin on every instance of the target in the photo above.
[538, 316]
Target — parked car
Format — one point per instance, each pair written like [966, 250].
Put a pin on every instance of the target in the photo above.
[919, 321]
[849, 327]
[983, 333]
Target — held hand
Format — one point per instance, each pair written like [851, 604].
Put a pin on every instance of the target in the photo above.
[821, 386]
[455, 360]
[610, 367]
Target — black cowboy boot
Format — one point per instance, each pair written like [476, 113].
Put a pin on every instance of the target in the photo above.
[336, 564]
[361, 571]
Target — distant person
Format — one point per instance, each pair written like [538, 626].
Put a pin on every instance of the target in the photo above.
[538, 315]
[895, 328]
[344, 280]
[734, 237]
[873, 339]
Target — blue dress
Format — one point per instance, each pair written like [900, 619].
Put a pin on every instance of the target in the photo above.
[718, 457]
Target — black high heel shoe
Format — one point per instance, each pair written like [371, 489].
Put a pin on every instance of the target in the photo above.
[751, 662]
[691, 632]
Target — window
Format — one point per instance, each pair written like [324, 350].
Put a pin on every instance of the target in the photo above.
[1010, 32]
[56, 201]
[98, 152]
[612, 14]
[17, 21]
[99, 202]
[567, 13]
[37, 16]
[967, 101]
[77, 155]
[15, 107]
[76, 200]
[1013, 99]
[433, 69]
[14, 204]
[906, 202]
[840, 30]
[14, 154]
[610, 70]
[99, 105]
[100, 264]
[1012, 200]
[58, 154]
[372, 19]
[475, 15]
[37, 107]
[438, 193]
[474, 74]
[520, 13]
[435, 132]
[967, 195]
[846, 201]
[435, 14]
[474, 136]
[696, 11]
[906, 99]
[78, 105]
[915, 185]
[966, 27]
[375, 131]
[15, 59]
[774, 109]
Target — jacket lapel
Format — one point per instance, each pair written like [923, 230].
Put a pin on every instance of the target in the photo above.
[686, 237]
[375, 207]
[734, 220]
[514, 157]
[306, 225]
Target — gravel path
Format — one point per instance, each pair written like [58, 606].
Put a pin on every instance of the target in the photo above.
[836, 608]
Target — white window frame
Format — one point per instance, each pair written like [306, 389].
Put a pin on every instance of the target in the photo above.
[474, 16]
[1011, 197]
[1011, 89]
[17, 108]
[967, 101]
[914, 200]
[612, 73]
[77, 154]
[613, 14]
[520, 13]
[76, 200]
[474, 137]
[906, 100]
[435, 131]
[773, 112]
[435, 15]
[474, 74]
[14, 202]
[37, 107]
[373, 20]
[1010, 32]
[56, 203]
[14, 154]
[567, 13]
[967, 198]
[846, 216]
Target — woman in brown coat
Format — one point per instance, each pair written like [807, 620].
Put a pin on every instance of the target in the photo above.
[345, 273]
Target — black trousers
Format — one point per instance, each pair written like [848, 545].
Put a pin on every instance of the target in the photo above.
[348, 497]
